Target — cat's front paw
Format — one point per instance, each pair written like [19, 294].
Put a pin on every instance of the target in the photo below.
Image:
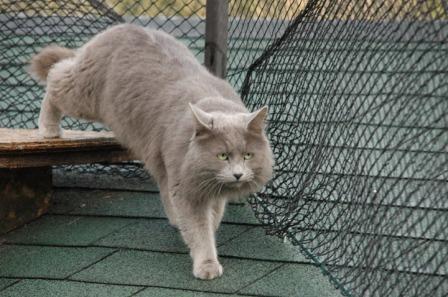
[208, 269]
[50, 131]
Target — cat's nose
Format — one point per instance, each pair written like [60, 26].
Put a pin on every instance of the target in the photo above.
[237, 175]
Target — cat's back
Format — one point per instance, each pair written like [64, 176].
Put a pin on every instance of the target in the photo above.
[123, 40]
[173, 48]
[137, 45]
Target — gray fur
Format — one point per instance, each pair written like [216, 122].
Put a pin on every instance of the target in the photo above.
[140, 83]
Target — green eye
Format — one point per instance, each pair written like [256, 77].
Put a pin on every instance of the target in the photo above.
[223, 156]
[248, 156]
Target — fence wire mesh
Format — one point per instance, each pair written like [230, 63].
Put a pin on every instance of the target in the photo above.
[358, 100]
[358, 96]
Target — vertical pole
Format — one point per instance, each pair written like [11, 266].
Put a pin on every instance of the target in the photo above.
[216, 36]
[445, 6]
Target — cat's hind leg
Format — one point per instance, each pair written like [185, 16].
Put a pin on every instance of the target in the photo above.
[49, 119]
[51, 66]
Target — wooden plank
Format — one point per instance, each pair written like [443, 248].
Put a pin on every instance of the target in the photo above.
[25, 148]
[63, 158]
[24, 195]
[27, 140]
[215, 58]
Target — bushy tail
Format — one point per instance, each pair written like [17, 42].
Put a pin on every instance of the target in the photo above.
[42, 62]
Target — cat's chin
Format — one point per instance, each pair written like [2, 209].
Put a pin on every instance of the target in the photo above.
[240, 189]
[235, 185]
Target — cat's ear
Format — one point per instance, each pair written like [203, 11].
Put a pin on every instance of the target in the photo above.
[256, 120]
[203, 120]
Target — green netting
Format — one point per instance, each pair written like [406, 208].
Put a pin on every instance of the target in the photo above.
[358, 96]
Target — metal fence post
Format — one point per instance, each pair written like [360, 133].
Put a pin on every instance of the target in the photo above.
[216, 36]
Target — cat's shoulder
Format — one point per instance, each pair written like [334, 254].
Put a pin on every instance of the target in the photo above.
[126, 29]
[118, 34]
[131, 31]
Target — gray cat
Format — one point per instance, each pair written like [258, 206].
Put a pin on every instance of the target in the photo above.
[190, 128]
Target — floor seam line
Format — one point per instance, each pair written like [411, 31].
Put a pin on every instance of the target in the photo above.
[138, 291]
[138, 286]
[236, 236]
[10, 285]
[111, 232]
[103, 216]
[157, 251]
[261, 277]
[21, 226]
[140, 217]
[62, 188]
[91, 264]
[72, 280]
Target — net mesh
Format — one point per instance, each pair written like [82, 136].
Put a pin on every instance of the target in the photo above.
[359, 126]
[357, 92]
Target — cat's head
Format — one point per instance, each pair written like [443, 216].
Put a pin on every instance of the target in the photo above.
[230, 153]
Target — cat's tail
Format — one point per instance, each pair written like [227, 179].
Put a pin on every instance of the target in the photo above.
[42, 62]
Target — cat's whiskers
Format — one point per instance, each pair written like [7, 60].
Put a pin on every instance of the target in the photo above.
[217, 189]
[221, 177]
[256, 185]
[211, 186]
[213, 193]
[205, 181]
[205, 185]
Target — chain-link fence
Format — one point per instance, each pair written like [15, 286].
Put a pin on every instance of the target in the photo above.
[358, 96]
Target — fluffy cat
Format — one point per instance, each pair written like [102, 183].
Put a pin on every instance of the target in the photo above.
[190, 128]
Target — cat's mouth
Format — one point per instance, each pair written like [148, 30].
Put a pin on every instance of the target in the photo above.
[236, 184]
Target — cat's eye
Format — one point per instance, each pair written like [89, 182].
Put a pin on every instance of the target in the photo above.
[223, 156]
[248, 156]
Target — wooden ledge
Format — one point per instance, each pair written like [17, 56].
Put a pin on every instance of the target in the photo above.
[21, 148]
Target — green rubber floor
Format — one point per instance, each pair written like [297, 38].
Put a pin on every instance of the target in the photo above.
[116, 241]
